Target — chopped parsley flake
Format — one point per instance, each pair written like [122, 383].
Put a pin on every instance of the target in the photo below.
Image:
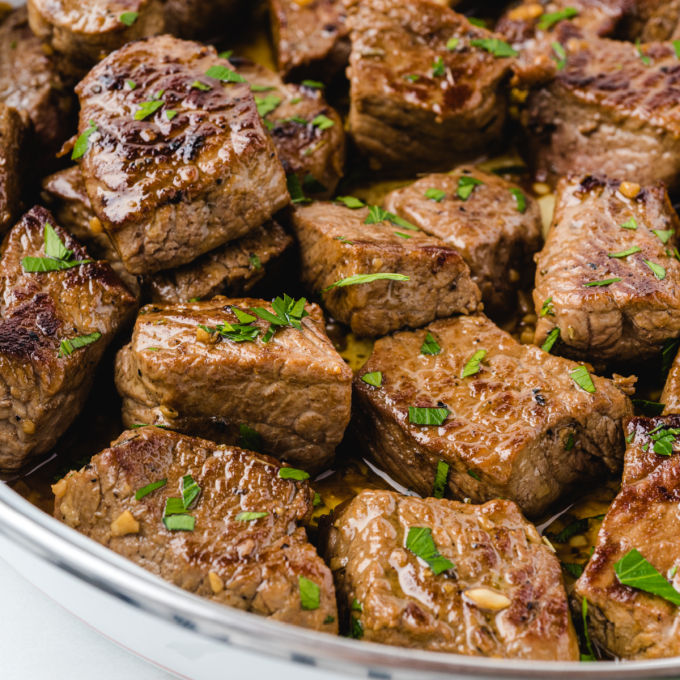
[67, 347]
[630, 224]
[420, 542]
[582, 378]
[435, 194]
[625, 253]
[128, 18]
[350, 202]
[495, 46]
[466, 185]
[292, 473]
[440, 478]
[430, 345]
[549, 20]
[473, 365]
[80, 146]
[310, 594]
[313, 84]
[287, 312]
[658, 270]
[250, 516]
[198, 85]
[146, 490]
[250, 439]
[226, 75]
[561, 56]
[551, 340]
[635, 571]
[605, 282]
[521, 200]
[366, 278]
[548, 309]
[322, 122]
[438, 68]
[374, 378]
[418, 415]
[452, 44]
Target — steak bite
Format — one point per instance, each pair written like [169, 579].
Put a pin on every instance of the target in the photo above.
[496, 228]
[31, 84]
[337, 243]
[655, 20]
[202, 367]
[611, 109]
[514, 421]
[247, 547]
[65, 193]
[310, 38]
[426, 89]
[501, 596]
[54, 329]
[307, 132]
[168, 187]
[626, 621]
[607, 277]
[85, 31]
[232, 269]
[12, 135]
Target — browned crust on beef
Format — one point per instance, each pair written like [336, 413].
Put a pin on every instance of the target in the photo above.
[627, 622]
[630, 319]
[41, 393]
[215, 171]
[496, 241]
[258, 562]
[510, 423]
[403, 603]
[311, 39]
[439, 280]
[295, 391]
[436, 121]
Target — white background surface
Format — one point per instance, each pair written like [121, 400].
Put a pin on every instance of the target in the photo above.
[39, 641]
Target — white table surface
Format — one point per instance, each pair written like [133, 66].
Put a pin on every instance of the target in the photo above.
[40, 640]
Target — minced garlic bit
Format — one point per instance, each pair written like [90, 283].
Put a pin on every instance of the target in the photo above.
[28, 426]
[549, 544]
[203, 336]
[485, 598]
[630, 189]
[96, 226]
[526, 12]
[125, 524]
[168, 411]
[216, 583]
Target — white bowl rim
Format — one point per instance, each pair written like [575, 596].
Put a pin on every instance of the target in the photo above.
[66, 549]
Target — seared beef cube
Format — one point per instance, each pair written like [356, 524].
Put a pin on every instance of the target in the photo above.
[517, 425]
[198, 18]
[307, 133]
[494, 590]
[30, 83]
[496, 227]
[182, 162]
[336, 243]
[294, 390]
[54, 329]
[232, 269]
[607, 277]
[611, 109]
[87, 30]
[626, 621]
[670, 396]
[416, 104]
[12, 134]
[530, 20]
[310, 38]
[247, 549]
[65, 193]
[654, 20]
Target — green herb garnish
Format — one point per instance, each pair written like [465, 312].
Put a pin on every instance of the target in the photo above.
[179, 523]
[430, 345]
[474, 475]
[287, 312]
[190, 490]
[146, 490]
[128, 18]
[376, 215]
[357, 606]
[561, 56]
[630, 224]
[420, 542]
[435, 194]
[452, 44]
[67, 347]
[643, 57]
[226, 75]
[549, 20]
[322, 122]
[466, 185]
[198, 85]
[664, 234]
[250, 439]
[668, 353]
[499, 48]
[548, 309]
[295, 190]
[605, 282]
[58, 256]
[80, 147]
[649, 408]
[250, 516]
[147, 108]
[265, 105]
[356, 629]
[350, 202]
[226, 55]
[425, 415]
[521, 200]
[329, 619]
[292, 473]
[551, 340]
[366, 278]
[626, 253]
[438, 68]
[584, 613]
[477, 22]
[440, 478]
[313, 84]
[570, 442]
[473, 365]
[309, 593]
[635, 571]
[374, 379]
[311, 184]
[573, 569]
[582, 378]
[658, 270]
[131, 84]
[255, 261]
